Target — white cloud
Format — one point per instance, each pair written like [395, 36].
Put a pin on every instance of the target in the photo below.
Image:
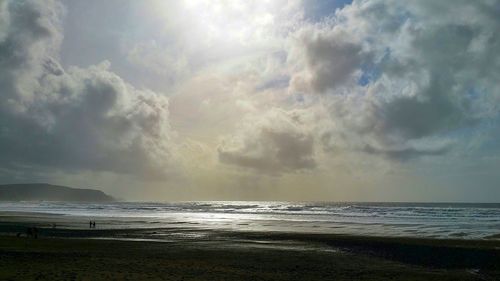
[325, 63]
[398, 77]
[276, 142]
[383, 79]
[158, 60]
[395, 79]
[75, 119]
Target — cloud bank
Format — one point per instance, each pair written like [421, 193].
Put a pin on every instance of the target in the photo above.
[396, 80]
[274, 143]
[405, 72]
[261, 86]
[76, 118]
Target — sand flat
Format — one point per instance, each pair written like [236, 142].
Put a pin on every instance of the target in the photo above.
[356, 258]
[72, 251]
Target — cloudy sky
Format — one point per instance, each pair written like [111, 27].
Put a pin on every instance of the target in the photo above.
[369, 100]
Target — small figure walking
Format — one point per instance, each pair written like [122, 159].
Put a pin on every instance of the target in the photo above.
[90, 224]
[93, 224]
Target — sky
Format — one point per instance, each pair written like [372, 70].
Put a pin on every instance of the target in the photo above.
[317, 100]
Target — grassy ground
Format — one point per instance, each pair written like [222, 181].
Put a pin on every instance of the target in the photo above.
[88, 259]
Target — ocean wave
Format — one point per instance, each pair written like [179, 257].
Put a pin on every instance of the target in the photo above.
[425, 219]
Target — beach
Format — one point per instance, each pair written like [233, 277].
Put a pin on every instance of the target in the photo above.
[424, 220]
[88, 259]
[240, 241]
[128, 254]
[249, 140]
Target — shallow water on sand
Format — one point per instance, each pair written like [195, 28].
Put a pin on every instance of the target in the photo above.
[439, 220]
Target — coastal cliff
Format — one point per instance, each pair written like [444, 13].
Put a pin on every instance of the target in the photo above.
[48, 192]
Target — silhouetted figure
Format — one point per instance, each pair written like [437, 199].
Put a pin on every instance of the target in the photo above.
[29, 232]
[93, 224]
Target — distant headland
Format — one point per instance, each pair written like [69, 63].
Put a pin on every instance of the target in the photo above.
[48, 192]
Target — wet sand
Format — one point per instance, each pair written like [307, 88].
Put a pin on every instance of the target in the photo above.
[74, 252]
[87, 259]
[245, 256]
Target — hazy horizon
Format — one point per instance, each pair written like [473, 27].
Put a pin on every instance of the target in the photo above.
[283, 100]
[125, 200]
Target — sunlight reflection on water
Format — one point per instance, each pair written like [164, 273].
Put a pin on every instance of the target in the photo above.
[386, 219]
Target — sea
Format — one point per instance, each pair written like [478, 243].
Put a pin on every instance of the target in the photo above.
[432, 220]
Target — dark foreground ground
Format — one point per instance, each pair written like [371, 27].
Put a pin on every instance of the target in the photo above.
[250, 256]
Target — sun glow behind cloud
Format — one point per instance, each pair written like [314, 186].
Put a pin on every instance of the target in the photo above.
[331, 95]
[232, 22]
[222, 30]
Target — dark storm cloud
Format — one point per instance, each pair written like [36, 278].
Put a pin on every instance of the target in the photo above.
[332, 63]
[403, 154]
[272, 144]
[394, 74]
[74, 119]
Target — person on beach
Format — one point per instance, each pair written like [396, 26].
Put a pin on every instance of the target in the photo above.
[90, 224]
[31, 232]
[93, 224]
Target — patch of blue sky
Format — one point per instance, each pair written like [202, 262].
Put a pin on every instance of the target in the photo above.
[317, 10]
[402, 17]
[372, 71]
[466, 131]
[275, 83]
[473, 93]
[491, 129]
[393, 22]
[302, 100]
[299, 98]
[484, 133]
